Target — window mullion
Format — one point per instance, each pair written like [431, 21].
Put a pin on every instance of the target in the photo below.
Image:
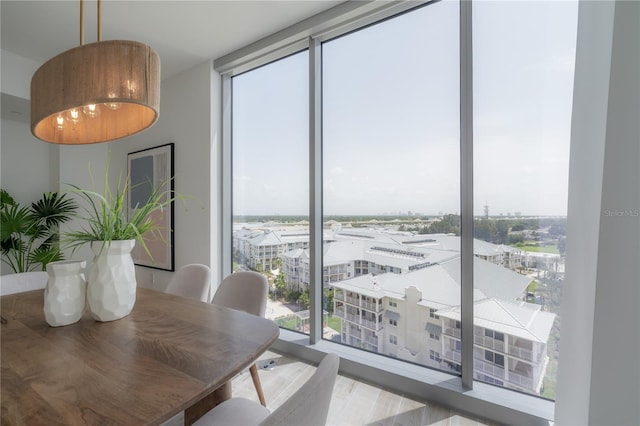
[466, 191]
[227, 186]
[315, 190]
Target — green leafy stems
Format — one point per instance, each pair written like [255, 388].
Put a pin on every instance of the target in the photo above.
[106, 215]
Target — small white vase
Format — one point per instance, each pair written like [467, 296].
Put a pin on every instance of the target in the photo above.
[111, 289]
[65, 293]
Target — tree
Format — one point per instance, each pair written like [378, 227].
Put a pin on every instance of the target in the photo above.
[280, 283]
[557, 230]
[515, 238]
[304, 299]
[449, 224]
[485, 229]
[562, 245]
[517, 227]
[502, 231]
[328, 300]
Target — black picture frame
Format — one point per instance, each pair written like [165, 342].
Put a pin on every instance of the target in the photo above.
[148, 169]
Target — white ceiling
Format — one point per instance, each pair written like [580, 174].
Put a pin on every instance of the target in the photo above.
[184, 33]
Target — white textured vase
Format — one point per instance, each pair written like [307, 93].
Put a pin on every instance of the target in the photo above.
[65, 293]
[111, 289]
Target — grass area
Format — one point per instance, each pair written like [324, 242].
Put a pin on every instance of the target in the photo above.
[335, 323]
[288, 323]
[549, 389]
[540, 249]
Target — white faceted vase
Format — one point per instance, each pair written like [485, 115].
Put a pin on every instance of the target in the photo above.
[111, 289]
[65, 293]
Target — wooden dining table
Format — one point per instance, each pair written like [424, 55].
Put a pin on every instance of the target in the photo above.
[170, 355]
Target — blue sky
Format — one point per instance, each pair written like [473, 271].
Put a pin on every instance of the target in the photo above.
[390, 116]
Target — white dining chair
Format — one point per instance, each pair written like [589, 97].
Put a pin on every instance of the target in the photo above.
[245, 291]
[308, 406]
[23, 281]
[192, 281]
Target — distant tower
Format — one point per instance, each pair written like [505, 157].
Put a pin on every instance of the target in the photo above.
[486, 211]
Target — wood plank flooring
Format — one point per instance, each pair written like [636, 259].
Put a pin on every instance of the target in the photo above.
[353, 402]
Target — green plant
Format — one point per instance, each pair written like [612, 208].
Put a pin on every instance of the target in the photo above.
[29, 235]
[106, 214]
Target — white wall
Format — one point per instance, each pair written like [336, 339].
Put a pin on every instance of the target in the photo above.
[24, 180]
[27, 179]
[615, 370]
[17, 70]
[599, 368]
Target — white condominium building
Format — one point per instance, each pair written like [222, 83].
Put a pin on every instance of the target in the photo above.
[261, 248]
[416, 317]
[263, 245]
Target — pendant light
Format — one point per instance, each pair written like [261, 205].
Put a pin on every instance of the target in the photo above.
[96, 92]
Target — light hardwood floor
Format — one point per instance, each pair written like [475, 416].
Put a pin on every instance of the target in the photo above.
[353, 402]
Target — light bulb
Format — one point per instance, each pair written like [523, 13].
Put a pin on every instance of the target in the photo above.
[74, 115]
[131, 87]
[60, 121]
[91, 110]
[112, 105]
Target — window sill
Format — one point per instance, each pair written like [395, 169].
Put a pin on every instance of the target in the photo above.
[484, 401]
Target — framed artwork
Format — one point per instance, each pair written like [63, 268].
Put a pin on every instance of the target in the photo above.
[149, 169]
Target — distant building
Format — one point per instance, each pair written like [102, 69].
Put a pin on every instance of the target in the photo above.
[264, 246]
[351, 253]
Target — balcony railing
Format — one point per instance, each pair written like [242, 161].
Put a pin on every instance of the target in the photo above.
[488, 368]
[340, 313]
[499, 346]
[354, 341]
[455, 332]
[526, 354]
[520, 380]
[373, 325]
[498, 372]
[452, 356]
[352, 318]
[493, 370]
[371, 340]
[373, 307]
[352, 300]
[489, 342]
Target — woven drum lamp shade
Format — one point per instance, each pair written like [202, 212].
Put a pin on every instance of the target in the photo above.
[96, 92]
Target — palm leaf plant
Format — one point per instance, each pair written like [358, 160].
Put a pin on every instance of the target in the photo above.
[29, 235]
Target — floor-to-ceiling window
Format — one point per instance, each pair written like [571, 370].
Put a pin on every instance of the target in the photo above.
[524, 54]
[391, 156]
[270, 182]
[391, 269]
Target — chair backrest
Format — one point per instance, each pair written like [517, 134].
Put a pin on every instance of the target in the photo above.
[192, 281]
[243, 291]
[23, 281]
[310, 404]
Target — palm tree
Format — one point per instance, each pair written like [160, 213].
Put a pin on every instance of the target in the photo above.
[29, 236]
